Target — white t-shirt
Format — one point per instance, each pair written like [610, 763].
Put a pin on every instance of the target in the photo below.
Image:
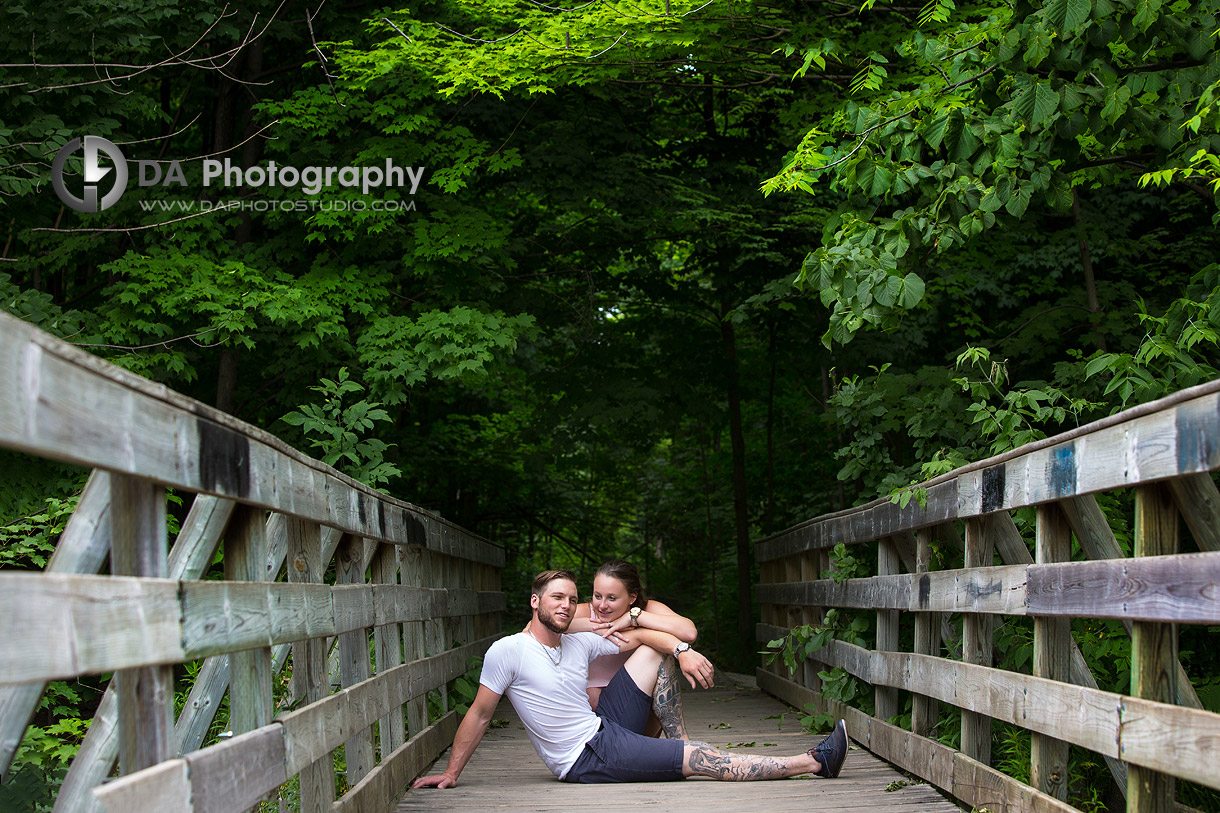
[550, 699]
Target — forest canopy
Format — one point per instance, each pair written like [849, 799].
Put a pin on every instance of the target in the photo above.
[675, 275]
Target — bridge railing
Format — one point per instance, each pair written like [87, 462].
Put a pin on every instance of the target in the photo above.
[1164, 451]
[411, 598]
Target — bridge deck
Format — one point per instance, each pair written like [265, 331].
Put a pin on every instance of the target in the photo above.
[506, 774]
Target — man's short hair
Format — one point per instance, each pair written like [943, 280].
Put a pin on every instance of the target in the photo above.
[547, 576]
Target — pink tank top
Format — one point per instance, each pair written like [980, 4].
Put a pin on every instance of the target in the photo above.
[602, 668]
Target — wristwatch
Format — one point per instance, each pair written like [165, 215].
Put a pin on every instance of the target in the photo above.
[680, 648]
[634, 612]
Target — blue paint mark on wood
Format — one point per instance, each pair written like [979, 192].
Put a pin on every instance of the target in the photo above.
[1063, 471]
[1197, 447]
[993, 488]
[416, 533]
[224, 459]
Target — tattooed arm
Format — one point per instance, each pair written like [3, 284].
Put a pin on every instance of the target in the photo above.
[696, 668]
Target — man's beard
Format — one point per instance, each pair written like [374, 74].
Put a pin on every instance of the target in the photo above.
[548, 621]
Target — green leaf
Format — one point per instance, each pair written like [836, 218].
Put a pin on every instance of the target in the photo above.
[934, 132]
[1018, 202]
[912, 291]
[1077, 14]
[1045, 103]
[1146, 12]
[883, 179]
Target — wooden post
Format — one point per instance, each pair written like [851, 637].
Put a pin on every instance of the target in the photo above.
[413, 636]
[245, 558]
[354, 658]
[1154, 646]
[813, 616]
[434, 575]
[310, 679]
[886, 698]
[145, 695]
[976, 646]
[1052, 655]
[387, 649]
[925, 712]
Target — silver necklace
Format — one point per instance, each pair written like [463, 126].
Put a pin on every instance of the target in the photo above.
[549, 649]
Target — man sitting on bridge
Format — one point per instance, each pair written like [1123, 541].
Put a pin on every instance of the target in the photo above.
[545, 672]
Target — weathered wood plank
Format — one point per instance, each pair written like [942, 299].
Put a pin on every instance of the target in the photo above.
[350, 563]
[199, 537]
[69, 625]
[977, 644]
[1183, 588]
[161, 787]
[997, 589]
[878, 592]
[310, 678]
[145, 694]
[886, 698]
[387, 642]
[1154, 646]
[1052, 655]
[85, 542]
[75, 407]
[235, 774]
[376, 792]
[1171, 740]
[249, 670]
[925, 711]
[409, 572]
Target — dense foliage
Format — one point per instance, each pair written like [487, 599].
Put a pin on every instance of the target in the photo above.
[677, 274]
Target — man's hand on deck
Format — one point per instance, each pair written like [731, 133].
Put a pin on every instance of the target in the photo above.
[439, 780]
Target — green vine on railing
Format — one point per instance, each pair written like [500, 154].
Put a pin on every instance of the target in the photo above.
[802, 642]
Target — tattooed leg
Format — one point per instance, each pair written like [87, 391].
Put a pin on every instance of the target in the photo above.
[701, 759]
[667, 700]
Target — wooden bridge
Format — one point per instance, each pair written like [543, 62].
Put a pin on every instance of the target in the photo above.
[373, 656]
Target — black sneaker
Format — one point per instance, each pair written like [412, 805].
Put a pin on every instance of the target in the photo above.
[831, 751]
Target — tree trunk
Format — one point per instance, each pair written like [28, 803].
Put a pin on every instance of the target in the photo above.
[745, 612]
[234, 102]
[226, 380]
[713, 537]
[769, 511]
[1086, 262]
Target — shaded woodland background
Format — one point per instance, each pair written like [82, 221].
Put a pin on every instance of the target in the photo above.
[678, 276]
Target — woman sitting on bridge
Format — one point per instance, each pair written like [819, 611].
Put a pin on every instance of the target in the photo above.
[619, 603]
[579, 746]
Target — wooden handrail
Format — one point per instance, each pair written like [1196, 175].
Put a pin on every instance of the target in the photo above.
[435, 586]
[1164, 451]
